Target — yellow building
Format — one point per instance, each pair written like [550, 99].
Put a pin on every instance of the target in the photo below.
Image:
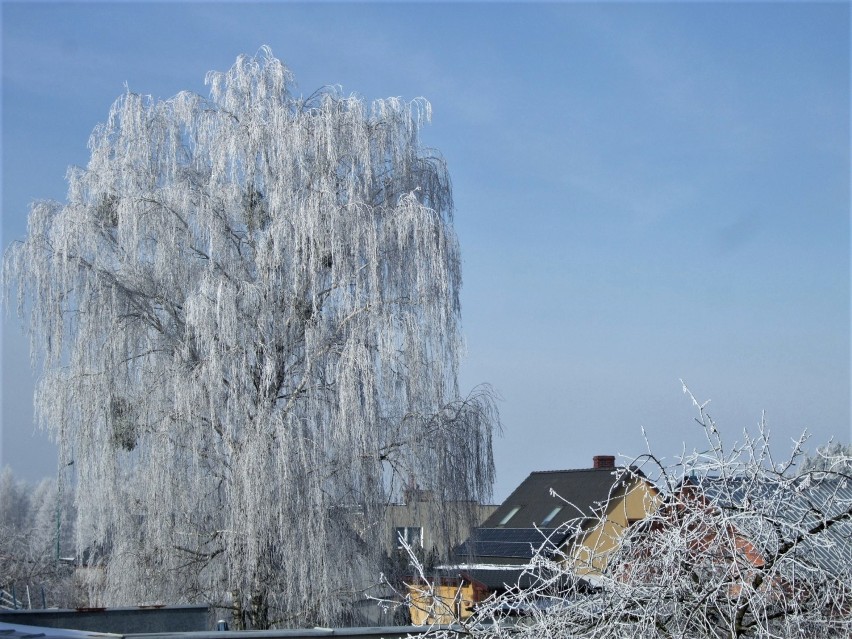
[632, 498]
[577, 514]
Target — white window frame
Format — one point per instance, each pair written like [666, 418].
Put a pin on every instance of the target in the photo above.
[412, 535]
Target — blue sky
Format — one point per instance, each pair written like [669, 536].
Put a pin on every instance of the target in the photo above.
[645, 193]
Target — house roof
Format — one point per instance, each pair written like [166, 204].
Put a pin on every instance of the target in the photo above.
[762, 509]
[510, 545]
[579, 493]
[543, 512]
[500, 579]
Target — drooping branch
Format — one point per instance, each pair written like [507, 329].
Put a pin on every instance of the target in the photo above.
[245, 299]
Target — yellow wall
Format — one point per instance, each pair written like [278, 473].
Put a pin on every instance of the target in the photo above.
[590, 549]
[449, 604]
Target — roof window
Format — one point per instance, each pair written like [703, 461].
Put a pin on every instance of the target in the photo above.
[511, 514]
[550, 516]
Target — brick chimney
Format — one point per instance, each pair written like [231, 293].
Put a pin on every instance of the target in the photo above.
[604, 461]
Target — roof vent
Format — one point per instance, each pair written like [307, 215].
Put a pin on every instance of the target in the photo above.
[604, 461]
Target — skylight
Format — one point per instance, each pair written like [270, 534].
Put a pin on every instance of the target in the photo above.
[511, 514]
[550, 516]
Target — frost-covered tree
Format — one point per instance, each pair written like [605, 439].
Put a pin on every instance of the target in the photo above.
[833, 457]
[740, 546]
[36, 538]
[247, 312]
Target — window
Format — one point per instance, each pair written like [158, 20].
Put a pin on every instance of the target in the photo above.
[411, 535]
[511, 514]
[550, 516]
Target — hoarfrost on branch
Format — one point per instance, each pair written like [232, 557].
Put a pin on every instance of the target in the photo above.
[247, 313]
[738, 545]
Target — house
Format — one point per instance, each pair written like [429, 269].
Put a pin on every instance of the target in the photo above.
[427, 528]
[578, 515]
[421, 521]
[632, 498]
[746, 551]
[803, 523]
[581, 513]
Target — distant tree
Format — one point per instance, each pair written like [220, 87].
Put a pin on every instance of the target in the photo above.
[248, 316]
[834, 457]
[36, 538]
[14, 500]
[739, 547]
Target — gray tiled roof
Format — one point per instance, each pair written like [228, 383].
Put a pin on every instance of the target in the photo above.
[584, 491]
[559, 500]
[491, 544]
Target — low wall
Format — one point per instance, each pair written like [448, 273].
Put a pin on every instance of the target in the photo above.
[121, 621]
[21, 631]
[388, 632]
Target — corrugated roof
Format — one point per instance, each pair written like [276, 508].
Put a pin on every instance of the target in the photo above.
[770, 513]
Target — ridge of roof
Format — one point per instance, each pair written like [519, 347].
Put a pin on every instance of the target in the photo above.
[632, 467]
[582, 470]
[503, 531]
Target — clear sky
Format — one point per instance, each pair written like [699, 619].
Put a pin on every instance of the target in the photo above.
[645, 193]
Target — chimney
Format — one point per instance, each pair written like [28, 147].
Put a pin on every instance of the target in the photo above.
[604, 461]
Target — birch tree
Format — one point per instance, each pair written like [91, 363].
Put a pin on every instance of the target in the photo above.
[247, 313]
